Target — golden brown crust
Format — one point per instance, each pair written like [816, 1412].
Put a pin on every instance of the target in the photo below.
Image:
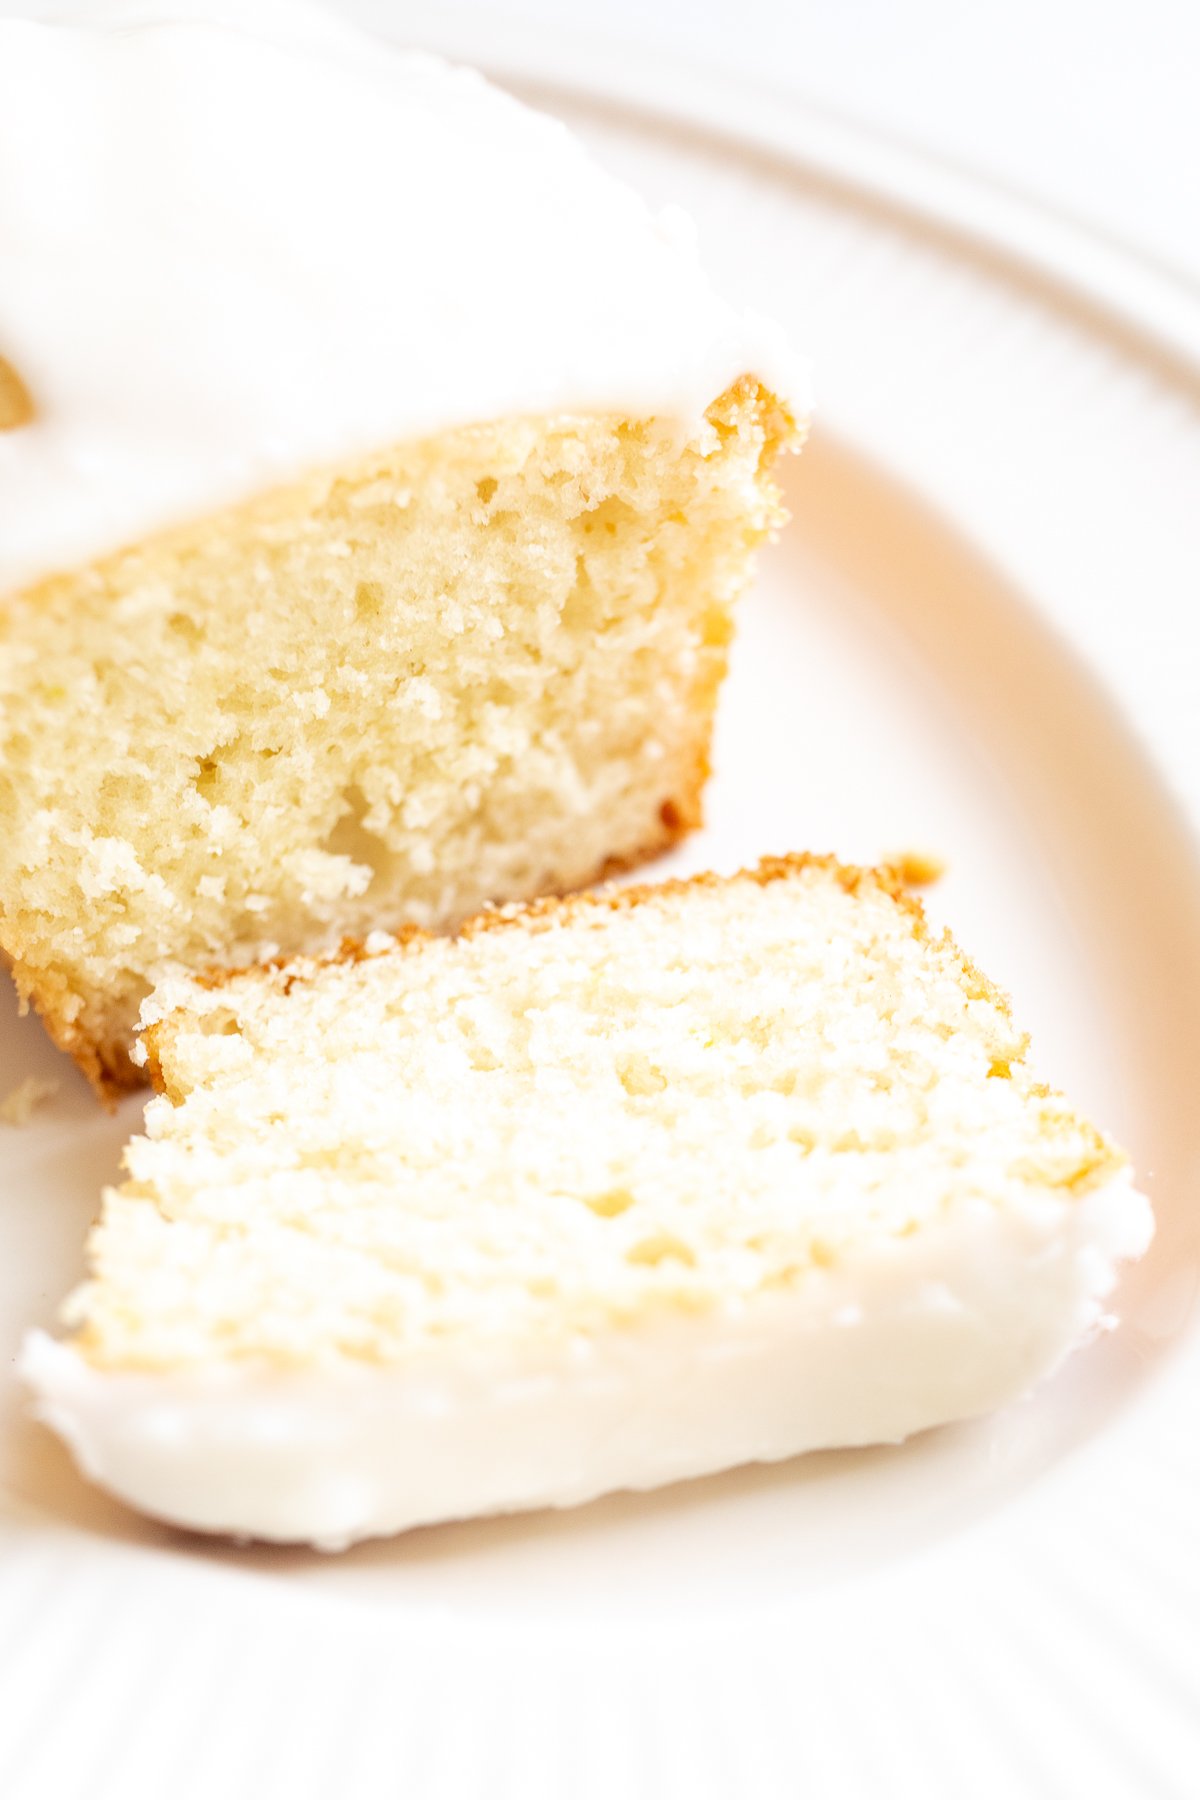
[104, 1061]
[550, 909]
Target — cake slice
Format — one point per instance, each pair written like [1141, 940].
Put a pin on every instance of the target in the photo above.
[375, 499]
[599, 1194]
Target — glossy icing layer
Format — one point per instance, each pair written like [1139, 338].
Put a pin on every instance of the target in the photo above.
[235, 248]
[903, 1334]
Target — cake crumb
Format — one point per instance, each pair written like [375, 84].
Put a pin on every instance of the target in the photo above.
[16, 407]
[20, 1104]
[918, 868]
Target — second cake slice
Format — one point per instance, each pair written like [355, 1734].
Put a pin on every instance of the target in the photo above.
[599, 1194]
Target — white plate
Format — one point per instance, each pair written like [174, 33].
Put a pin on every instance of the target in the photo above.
[973, 640]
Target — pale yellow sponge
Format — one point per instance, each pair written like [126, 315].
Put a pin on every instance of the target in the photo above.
[597, 1194]
[477, 667]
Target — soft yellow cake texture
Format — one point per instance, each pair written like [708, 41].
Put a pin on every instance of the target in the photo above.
[474, 668]
[574, 1114]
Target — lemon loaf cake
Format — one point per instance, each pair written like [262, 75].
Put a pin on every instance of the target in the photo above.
[598, 1194]
[378, 476]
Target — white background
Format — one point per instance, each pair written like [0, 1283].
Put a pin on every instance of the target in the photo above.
[1091, 105]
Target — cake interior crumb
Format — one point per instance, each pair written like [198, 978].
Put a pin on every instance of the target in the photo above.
[575, 1114]
[472, 669]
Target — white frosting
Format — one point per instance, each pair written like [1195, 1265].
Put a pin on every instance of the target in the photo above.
[238, 247]
[904, 1334]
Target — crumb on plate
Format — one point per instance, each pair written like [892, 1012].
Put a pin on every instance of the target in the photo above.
[918, 868]
[21, 1102]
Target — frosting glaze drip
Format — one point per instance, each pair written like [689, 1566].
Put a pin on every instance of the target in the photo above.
[238, 246]
[904, 1334]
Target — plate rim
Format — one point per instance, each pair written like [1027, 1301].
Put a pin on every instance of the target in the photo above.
[1137, 295]
[1146, 309]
